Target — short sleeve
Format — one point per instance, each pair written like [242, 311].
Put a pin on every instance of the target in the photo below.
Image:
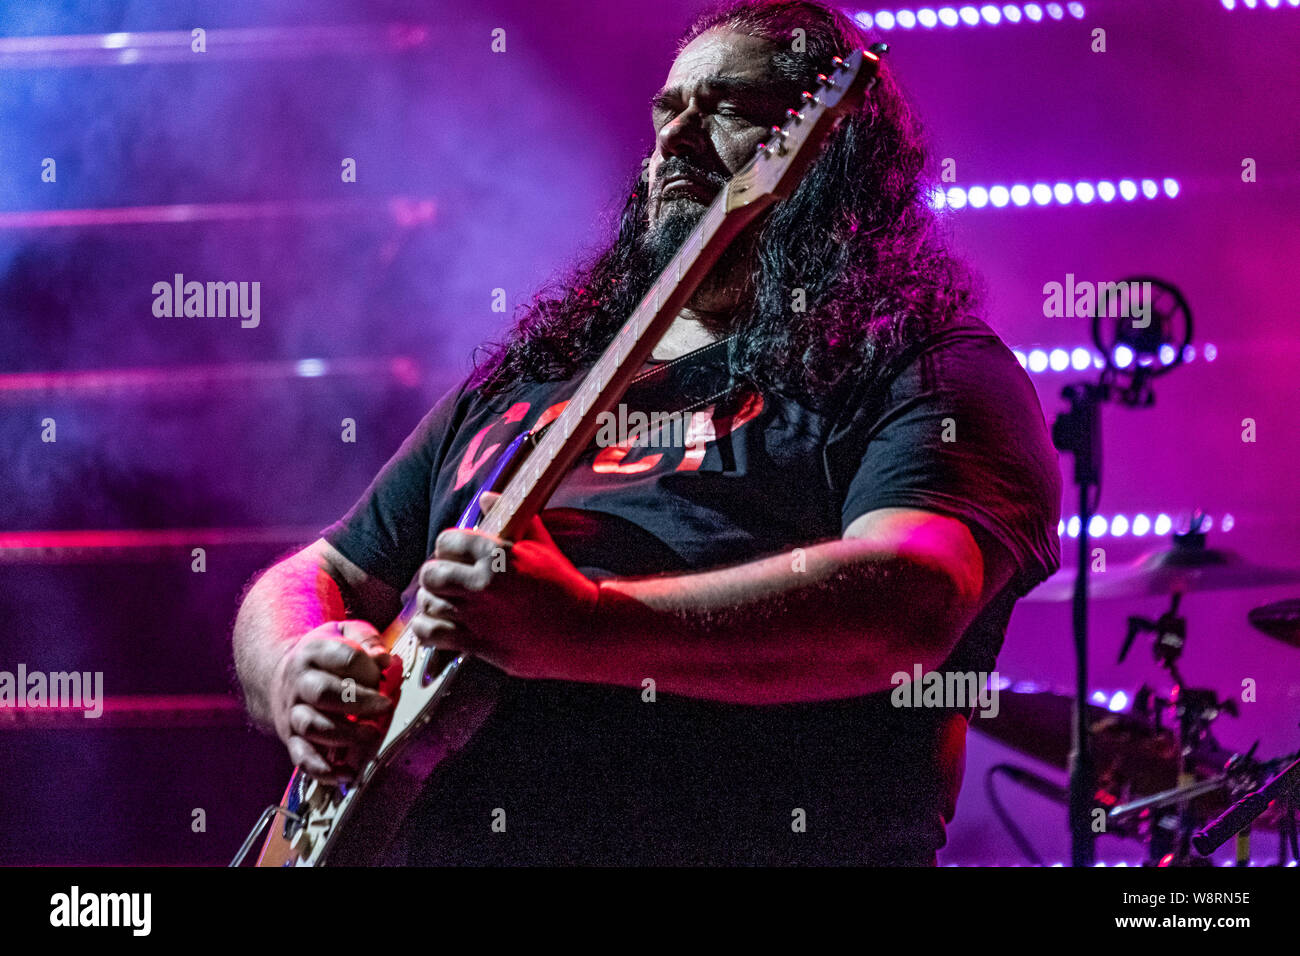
[386, 532]
[957, 430]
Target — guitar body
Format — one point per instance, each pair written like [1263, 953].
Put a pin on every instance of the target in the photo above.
[441, 699]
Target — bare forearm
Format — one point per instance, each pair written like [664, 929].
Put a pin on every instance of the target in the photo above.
[289, 600]
[836, 620]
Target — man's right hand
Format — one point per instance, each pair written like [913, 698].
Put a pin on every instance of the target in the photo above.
[311, 703]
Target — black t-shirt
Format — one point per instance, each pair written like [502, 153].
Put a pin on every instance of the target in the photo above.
[595, 774]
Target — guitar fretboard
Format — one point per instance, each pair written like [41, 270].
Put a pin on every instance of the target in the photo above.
[775, 170]
[573, 428]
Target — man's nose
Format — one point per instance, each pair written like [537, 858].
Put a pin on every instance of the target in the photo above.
[683, 134]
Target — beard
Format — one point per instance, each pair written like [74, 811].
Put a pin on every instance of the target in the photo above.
[660, 242]
[655, 248]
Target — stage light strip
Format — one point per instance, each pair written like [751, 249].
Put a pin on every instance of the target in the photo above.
[64, 547]
[1137, 526]
[969, 15]
[402, 210]
[171, 710]
[1257, 4]
[1083, 192]
[1039, 361]
[399, 369]
[170, 46]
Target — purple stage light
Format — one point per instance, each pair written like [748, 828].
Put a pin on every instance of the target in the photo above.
[1118, 526]
[1080, 358]
[1063, 194]
[989, 14]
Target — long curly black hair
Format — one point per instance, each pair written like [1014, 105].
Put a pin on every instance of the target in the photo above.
[858, 235]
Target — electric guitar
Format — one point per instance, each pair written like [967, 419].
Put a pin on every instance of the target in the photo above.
[440, 698]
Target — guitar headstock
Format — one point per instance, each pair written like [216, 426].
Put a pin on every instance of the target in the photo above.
[789, 149]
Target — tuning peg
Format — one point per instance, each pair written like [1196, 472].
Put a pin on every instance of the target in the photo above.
[825, 80]
[794, 115]
[809, 98]
[837, 62]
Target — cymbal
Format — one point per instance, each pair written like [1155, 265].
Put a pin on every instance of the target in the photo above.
[1036, 721]
[1131, 758]
[1183, 567]
[1280, 620]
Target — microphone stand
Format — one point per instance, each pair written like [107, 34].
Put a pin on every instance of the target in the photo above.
[1243, 813]
[1077, 432]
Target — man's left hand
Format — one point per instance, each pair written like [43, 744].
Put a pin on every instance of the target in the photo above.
[521, 606]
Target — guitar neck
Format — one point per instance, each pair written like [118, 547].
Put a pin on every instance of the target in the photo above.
[528, 490]
[770, 175]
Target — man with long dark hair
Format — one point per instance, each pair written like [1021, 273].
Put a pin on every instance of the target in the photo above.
[706, 635]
